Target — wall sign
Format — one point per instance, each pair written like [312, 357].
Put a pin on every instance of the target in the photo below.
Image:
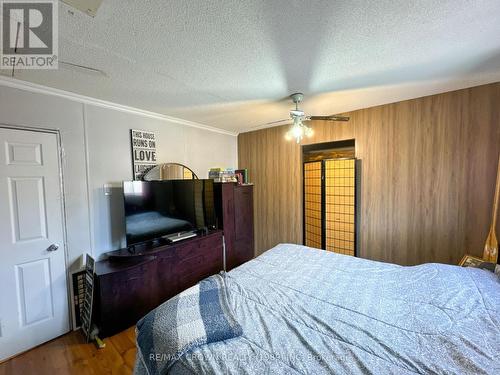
[143, 152]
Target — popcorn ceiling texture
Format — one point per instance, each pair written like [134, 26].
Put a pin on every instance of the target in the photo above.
[229, 63]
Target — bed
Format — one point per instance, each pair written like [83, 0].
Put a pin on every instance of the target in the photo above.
[308, 311]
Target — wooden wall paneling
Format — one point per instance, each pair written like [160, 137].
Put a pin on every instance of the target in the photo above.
[483, 143]
[427, 179]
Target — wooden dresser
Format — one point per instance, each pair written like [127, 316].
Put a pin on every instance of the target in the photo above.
[234, 210]
[128, 285]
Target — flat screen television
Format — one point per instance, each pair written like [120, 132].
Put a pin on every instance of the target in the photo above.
[154, 209]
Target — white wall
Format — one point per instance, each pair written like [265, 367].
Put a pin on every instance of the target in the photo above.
[110, 161]
[96, 150]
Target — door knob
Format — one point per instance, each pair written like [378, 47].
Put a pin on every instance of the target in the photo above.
[53, 247]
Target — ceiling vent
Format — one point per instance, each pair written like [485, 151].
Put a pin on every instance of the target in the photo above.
[89, 7]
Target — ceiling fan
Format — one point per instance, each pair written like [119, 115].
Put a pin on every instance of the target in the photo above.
[297, 116]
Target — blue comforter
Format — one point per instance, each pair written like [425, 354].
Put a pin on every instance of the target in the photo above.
[307, 311]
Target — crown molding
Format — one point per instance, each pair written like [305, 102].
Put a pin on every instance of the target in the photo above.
[40, 89]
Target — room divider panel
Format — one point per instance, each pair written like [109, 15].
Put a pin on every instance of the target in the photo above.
[330, 205]
[313, 204]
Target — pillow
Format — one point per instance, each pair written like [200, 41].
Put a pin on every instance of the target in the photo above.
[200, 315]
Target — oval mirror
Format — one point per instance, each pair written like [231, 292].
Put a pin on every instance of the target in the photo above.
[170, 171]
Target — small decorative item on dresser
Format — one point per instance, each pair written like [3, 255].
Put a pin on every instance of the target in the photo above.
[222, 175]
[244, 173]
[240, 179]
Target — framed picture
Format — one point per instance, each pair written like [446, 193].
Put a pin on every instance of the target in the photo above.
[470, 261]
[143, 152]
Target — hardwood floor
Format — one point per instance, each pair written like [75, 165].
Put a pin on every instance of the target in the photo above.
[69, 354]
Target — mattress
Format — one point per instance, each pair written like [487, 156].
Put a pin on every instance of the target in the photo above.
[308, 311]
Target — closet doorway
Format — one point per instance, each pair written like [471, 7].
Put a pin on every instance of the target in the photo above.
[330, 186]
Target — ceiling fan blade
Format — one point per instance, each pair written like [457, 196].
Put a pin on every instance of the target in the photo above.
[277, 122]
[328, 118]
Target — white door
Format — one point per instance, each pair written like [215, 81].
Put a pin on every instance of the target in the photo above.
[33, 293]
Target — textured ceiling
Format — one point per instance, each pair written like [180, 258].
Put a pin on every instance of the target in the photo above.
[229, 64]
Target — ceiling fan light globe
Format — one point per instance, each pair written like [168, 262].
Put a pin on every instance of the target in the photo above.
[297, 122]
[297, 131]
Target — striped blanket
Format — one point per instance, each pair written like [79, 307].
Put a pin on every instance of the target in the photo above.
[199, 315]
